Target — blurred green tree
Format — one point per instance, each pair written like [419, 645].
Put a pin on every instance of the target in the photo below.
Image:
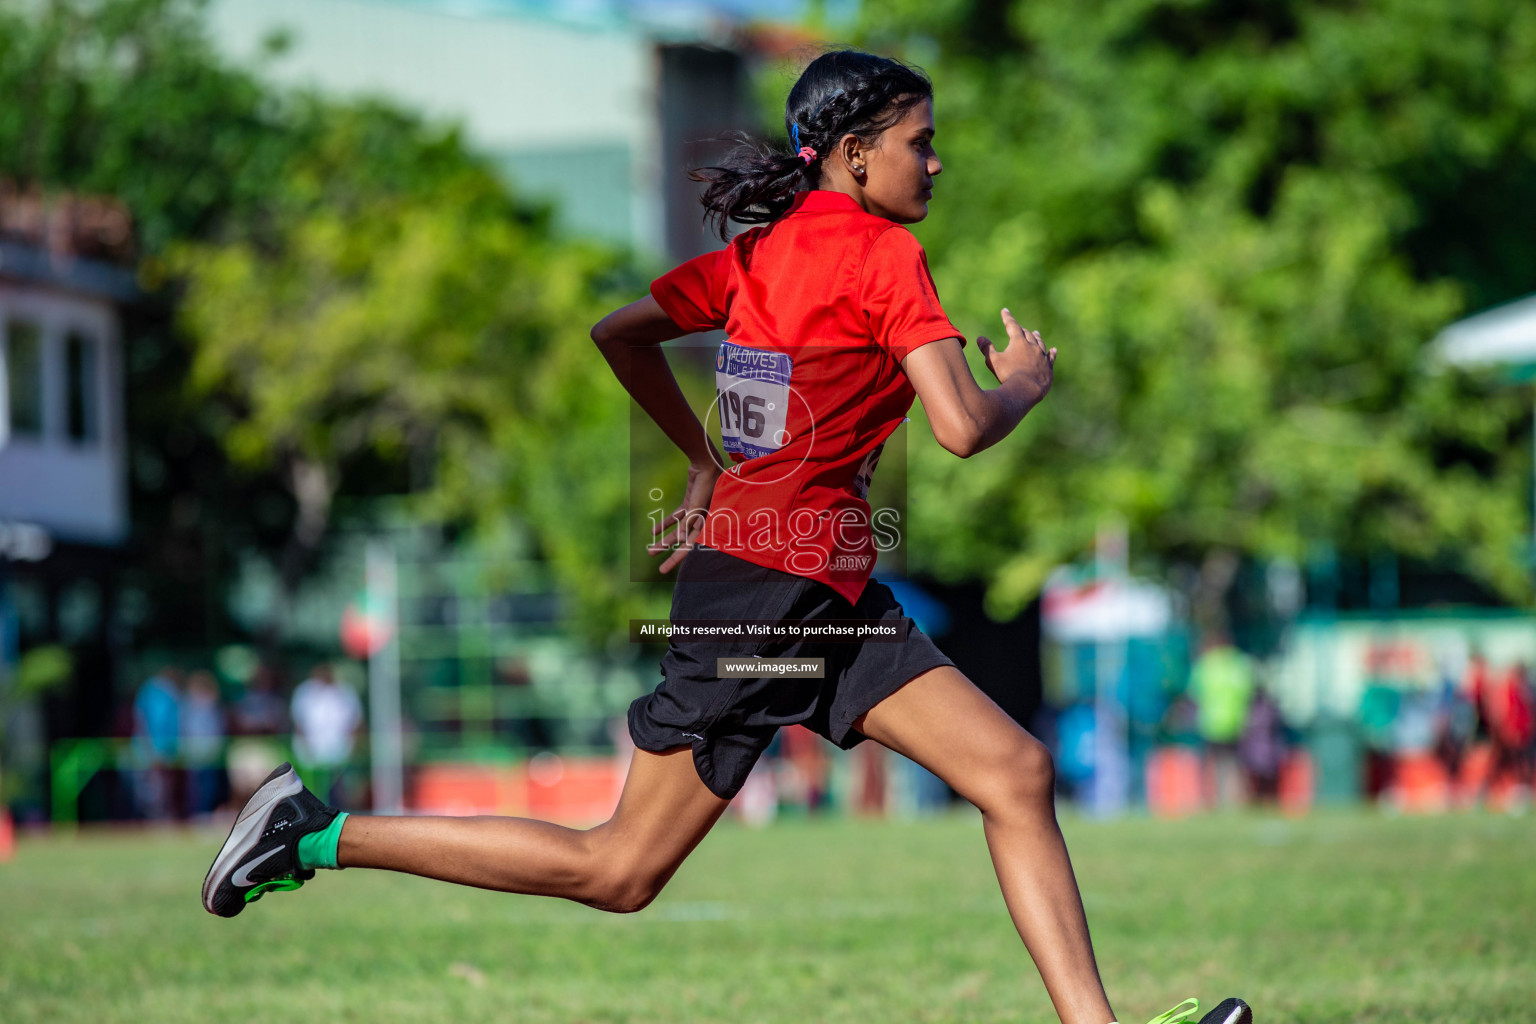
[1240, 223]
[398, 303]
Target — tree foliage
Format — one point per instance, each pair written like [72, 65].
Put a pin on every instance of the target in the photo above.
[398, 303]
[1240, 223]
[126, 98]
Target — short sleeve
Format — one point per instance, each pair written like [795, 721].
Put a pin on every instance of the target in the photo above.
[898, 296]
[693, 294]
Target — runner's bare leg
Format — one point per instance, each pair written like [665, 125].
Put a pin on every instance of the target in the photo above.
[620, 865]
[943, 722]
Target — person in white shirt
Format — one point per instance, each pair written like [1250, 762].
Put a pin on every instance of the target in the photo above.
[326, 719]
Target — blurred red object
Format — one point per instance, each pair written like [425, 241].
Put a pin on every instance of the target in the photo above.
[362, 633]
[1298, 782]
[1173, 782]
[1175, 790]
[570, 790]
[1420, 783]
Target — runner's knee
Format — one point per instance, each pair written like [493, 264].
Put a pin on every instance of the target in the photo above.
[618, 877]
[621, 889]
[1020, 776]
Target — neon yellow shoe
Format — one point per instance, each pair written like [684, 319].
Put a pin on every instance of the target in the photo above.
[1229, 1011]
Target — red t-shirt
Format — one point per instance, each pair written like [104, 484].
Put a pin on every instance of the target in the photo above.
[819, 308]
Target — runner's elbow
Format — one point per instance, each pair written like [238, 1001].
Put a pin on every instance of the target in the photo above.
[962, 450]
[964, 437]
[964, 424]
[602, 332]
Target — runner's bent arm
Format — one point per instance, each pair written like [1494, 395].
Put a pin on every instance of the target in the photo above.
[630, 339]
[966, 418]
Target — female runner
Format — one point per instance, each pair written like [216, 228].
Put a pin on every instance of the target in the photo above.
[834, 326]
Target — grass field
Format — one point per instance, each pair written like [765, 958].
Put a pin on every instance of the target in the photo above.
[1329, 919]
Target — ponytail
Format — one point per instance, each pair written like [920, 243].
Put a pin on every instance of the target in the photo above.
[755, 185]
[844, 92]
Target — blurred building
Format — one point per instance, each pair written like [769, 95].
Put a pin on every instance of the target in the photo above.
[597, 106]
[64, 276]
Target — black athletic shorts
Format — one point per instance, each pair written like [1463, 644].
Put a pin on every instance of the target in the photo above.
[729, 722]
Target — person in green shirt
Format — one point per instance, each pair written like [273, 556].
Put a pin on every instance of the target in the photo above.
[1221, 684]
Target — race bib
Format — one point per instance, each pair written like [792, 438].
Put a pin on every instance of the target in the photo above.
[752, 398]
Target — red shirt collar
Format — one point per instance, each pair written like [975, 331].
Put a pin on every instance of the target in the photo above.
[820, 199]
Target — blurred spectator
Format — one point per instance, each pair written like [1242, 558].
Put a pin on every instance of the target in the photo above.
[202, 743]
[1377, 717]
[1522, 724]
[1221, 683]
[1261, 748]
[256, 719]
[1511, 720]
[326, 719]
[261, 710]
[1414, 730]
[758, 802]
[1181, 722]
[805, 769]
[1455, 727]
[871, 779]
[1075, 729]
[156, 734]
[1477, 693]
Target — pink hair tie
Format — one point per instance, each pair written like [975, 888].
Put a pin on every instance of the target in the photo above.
[807, 154]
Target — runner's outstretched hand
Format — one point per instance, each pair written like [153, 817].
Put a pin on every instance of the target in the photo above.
[1025, 354]
[677, 532]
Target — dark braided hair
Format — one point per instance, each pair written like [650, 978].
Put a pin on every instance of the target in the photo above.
[844, 92]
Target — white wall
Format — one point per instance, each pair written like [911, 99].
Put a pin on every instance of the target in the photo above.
[76, 491]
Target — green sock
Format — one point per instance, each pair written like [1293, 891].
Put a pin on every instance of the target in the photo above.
[318, 849]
